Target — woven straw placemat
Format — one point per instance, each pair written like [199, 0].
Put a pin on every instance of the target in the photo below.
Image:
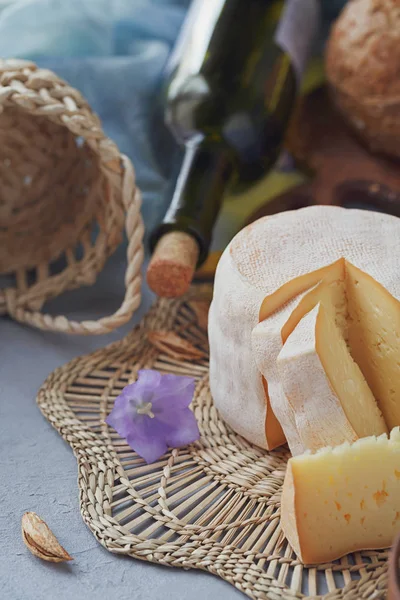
[214, 505]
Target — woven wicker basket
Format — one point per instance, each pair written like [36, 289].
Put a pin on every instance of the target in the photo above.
[66, 193]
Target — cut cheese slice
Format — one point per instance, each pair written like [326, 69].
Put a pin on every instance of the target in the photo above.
[267, 265]
[374, 338]
[344, 499]
[269, 336]
[330, 397]
[266, 345]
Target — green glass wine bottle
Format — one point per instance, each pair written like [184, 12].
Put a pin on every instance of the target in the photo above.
[229, 90]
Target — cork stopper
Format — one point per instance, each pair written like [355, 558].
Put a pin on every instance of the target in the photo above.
[173, 264]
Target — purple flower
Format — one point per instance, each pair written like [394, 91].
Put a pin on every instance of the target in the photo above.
[153, 413]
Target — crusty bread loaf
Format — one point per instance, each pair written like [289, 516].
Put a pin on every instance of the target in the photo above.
[363, 69]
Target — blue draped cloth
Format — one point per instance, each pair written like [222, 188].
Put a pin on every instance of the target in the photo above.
[113, 51]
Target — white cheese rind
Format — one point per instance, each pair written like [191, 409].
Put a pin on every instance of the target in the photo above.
[267, 343]
[264, 267]
[235, 380]
[269, 336]
[319, 417]
[330, 398]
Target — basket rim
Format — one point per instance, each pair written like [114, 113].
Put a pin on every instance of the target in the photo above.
[40, 92]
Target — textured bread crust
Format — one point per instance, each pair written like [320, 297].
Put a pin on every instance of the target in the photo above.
[363, 69]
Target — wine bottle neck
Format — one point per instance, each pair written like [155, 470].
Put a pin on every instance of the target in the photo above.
[197, 195]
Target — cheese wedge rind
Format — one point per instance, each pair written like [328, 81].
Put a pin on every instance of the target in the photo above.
[343, 499]
[330, 397]
[269, 336]
[267, 342]
[267, 265]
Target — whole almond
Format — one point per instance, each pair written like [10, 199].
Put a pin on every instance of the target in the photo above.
[40, 540]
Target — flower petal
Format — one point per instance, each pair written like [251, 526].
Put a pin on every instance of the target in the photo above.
[172, 384]
[175, 396]
[184, 429]
[120, 418]
[173, 422]
[149, 450]
[147, 384]
[149, 378]
[150, 441]
[129, 390]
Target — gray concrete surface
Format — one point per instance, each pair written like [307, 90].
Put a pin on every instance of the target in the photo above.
[38, 472]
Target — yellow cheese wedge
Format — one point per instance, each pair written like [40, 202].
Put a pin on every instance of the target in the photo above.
[269, 264]
[374, 337]
[330, 397]
[344, 499]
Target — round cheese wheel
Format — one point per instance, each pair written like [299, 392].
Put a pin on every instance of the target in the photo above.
[272, 273]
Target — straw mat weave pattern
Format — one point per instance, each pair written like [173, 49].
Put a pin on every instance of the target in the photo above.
[214, 505]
